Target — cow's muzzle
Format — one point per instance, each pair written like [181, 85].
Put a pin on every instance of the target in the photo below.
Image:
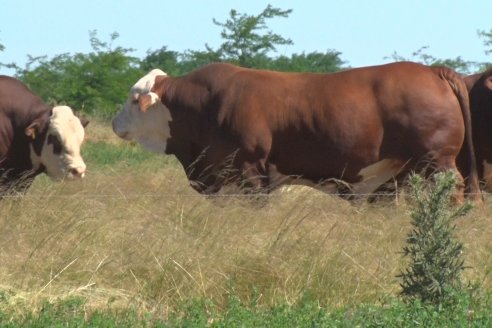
[76, 172]
[118, 132]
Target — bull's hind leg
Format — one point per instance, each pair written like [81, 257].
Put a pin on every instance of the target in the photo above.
[448, 164]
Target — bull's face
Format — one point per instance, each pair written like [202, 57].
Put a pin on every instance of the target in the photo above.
[144, 118]
[59, 153]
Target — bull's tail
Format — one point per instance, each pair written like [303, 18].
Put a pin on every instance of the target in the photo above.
[459, 88]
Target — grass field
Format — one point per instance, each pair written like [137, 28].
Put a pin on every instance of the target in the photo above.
[134, 234]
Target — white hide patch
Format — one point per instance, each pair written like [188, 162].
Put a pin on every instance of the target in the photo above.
[375, 175]
[69, 132]
[372, 177]
[150, 128]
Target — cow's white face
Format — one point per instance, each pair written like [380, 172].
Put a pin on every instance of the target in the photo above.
[60, 153]
[144, 118]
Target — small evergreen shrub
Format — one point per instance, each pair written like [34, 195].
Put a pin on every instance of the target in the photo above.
[435, 256]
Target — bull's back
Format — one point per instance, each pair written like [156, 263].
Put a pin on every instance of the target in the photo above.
[334, 104]
[303, 96]
[14, 95]
[356, 117]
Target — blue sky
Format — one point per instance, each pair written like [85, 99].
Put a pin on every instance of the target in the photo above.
[365, 32]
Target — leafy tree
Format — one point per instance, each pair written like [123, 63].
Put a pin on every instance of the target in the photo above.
[313, 62]
[487, 36]
[2, 47]
[488, 40]
[164, 59]
[193, 59]
[96, 82]
[421, 56]
[244, 45]
[176, 64]
[243, 42]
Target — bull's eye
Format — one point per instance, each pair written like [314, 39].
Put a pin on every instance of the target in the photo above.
[55, 141]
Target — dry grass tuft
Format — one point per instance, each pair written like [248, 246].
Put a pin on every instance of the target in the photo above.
[142, 236]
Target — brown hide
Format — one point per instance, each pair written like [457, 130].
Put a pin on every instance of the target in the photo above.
[314, 126]
[480, 94]
[19, 108]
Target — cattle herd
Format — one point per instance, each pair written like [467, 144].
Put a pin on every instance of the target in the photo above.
[350, 131]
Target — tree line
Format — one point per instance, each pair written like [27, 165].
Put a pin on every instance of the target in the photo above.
[97, 82]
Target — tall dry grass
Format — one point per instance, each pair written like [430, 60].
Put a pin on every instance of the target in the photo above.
[140, 235]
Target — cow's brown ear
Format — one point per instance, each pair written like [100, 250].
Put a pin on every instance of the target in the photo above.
[160, 83]
[144, 102]
[31, 130]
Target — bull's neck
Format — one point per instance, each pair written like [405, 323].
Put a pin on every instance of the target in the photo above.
[187, 103]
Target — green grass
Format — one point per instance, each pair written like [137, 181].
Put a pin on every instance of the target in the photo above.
[100, 153]
[468, 312]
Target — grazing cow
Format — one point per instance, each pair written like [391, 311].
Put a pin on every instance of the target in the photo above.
[362, 126]
[480, 94]
[36, 138]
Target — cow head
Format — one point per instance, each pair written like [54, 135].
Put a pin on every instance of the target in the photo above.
[56, 143]
[144, 118]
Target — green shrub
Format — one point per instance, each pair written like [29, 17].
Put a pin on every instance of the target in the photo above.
[435, 256]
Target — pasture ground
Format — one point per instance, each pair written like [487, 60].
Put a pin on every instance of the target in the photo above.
[134, 235]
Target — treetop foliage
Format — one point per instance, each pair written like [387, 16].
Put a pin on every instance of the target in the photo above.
[488, 40]
[95, 82]
[458, 63]
[2, 47]
[241, 40]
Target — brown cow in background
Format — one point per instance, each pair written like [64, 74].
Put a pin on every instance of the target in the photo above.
[36, 138]
[480, 94]
[362, 126]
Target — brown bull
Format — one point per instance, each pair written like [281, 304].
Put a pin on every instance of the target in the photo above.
[362, 126]
[480, 94]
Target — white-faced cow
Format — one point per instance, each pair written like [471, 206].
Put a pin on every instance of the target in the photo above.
[362, 126]
[36, 138]
[480, 94]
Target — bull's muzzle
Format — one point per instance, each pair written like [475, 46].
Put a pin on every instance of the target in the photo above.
[76, 172]
[122, 134]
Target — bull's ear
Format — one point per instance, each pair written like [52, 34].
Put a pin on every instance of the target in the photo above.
[145, 101]
[32, 130]
[160, 84]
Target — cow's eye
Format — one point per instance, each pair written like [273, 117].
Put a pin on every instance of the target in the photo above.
[55, 141]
